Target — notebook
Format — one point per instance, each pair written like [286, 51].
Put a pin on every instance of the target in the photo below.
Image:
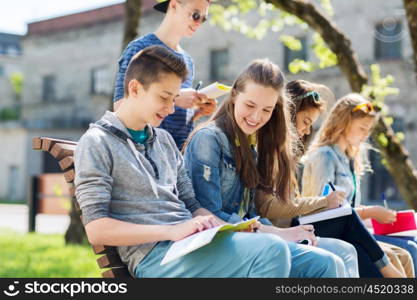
[406, 221]
[215, 90]
[200, 239]
[343, 210]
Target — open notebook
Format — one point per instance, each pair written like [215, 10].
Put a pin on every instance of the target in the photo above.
[200, 239]
[344, 210]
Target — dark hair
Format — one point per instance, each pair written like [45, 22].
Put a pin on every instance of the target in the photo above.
[274, 168]
[296, 90]
[148, 65]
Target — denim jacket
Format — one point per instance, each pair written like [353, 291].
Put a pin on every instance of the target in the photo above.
[210, 165]
[329, 163]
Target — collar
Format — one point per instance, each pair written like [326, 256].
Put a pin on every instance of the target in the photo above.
[341, 154]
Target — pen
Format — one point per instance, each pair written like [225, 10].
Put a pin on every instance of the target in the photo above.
[385, 200]
[199, 84]
[332, 186]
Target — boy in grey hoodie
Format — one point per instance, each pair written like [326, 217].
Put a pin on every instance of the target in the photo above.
[134, 192]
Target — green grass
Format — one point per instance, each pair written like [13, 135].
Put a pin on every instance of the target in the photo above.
[7, 201]
[43, 256]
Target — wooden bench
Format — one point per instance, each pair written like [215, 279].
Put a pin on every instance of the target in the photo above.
[63, 151]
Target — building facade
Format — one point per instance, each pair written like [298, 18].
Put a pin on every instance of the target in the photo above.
[70, 64]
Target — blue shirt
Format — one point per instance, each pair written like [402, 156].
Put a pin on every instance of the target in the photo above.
[139, 136]
[180, 123]
[329, 163]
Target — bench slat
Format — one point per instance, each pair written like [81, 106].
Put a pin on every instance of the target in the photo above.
[60, 151]
[48, 143]
[37, 143]
[102, 249]
[109, 261]
[67, 162]
[69, 175]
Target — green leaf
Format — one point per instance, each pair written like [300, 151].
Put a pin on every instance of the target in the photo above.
[291, 42]
[382, 140]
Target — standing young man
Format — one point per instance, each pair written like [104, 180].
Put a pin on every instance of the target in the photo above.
[182, 19]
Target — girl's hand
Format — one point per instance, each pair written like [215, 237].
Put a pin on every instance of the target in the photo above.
[381, 214]
[299, 233]
[335, 199]
[253, 227]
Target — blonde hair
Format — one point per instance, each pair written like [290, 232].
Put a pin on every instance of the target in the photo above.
[338, 123]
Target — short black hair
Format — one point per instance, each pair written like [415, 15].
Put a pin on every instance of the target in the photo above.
[148, 65]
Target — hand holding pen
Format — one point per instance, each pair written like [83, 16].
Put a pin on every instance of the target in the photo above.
[335, 198]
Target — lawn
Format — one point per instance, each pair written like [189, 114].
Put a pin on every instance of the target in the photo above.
[44, 255]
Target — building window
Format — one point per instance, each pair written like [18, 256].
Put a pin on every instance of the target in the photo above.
[290, 55]
[388, 36]
[219, 61]
[13, 50]
[48, 88]
[100, 81]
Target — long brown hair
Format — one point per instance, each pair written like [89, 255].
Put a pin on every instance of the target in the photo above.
[274, 169]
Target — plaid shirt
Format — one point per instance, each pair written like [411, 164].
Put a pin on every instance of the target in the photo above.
[179, 124]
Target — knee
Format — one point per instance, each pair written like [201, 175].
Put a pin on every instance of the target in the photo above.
[330, 264]
[277, 251]
[348, 250]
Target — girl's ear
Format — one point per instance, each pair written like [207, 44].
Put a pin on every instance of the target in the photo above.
[173, 5]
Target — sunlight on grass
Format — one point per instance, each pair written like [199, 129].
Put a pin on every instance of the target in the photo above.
[44, 255]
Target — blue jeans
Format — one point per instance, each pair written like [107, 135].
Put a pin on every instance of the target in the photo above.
[235, 255]
[408, 243]
[351, 229]
[312, 262]
[347, 265]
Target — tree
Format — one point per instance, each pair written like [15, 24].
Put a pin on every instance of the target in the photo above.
[75, 233]
[132, 20]
[395, 157]
[411, 12]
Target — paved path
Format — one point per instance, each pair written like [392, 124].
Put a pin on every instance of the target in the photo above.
[15, 217]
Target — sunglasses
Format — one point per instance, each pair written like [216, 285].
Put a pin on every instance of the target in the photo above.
[365, 107]
[315, 95]
[195, 15]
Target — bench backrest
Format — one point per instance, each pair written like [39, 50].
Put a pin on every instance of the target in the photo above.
[63, 151]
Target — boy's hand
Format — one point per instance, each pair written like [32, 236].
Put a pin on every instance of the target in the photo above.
[197, 224]
[187, 98]
[205, 108]
[335, 199]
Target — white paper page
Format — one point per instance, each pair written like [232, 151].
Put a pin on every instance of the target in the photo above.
[344, 210]
[215, 90]
[200, 239]
[189, 244]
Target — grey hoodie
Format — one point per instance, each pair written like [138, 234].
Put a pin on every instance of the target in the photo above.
[141, 184]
